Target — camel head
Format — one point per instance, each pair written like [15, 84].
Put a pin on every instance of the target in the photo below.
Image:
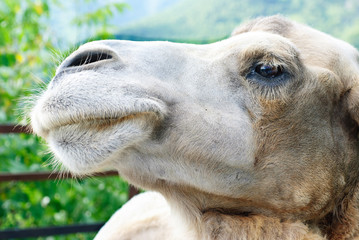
[264, 122]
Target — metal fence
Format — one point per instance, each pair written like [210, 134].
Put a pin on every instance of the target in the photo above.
[45, 176]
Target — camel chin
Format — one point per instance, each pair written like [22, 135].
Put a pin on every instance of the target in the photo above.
[251, 137]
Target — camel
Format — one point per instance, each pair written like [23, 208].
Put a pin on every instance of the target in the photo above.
[251, 137]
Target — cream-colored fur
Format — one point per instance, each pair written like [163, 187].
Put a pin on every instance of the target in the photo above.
[252, 137]
[146, 216]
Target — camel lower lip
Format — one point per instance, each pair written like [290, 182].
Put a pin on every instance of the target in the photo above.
[85, 146]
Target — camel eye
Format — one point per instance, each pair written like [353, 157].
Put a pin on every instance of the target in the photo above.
[268, 70]
[268, 74]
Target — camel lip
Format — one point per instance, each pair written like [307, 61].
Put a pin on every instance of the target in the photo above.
[110, 121]
[101, 122]
[98, 123]
[47, 116]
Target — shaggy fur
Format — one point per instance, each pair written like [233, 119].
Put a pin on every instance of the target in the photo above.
[252, 137]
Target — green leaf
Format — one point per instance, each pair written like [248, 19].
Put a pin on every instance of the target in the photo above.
[7, 59]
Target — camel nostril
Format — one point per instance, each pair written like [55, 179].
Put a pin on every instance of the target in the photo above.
[87, 58]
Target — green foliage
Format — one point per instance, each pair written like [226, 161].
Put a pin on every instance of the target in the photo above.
[214, 19]
[26, 56]
[96, 18]
[100, 15]
[23, 51]
[21, 153]
[60, 202]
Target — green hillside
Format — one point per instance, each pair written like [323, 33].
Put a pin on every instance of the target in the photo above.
[199, 20]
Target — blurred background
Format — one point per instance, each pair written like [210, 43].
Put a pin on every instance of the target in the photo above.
[36, 35]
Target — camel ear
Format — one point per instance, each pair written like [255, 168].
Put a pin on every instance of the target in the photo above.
[353, 103]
